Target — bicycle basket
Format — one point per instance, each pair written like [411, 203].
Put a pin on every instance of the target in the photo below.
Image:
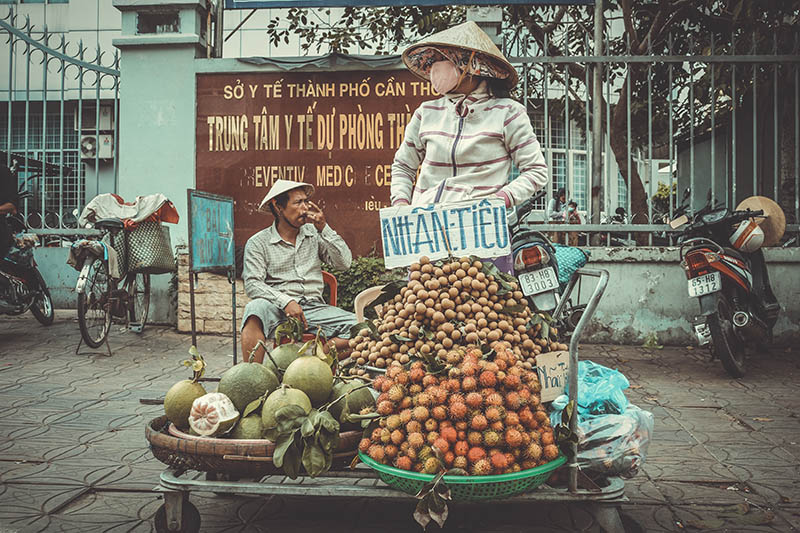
[119, 243]
[149, 249]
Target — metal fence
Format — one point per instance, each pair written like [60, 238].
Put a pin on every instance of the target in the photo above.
[717, 115]
[59, 122]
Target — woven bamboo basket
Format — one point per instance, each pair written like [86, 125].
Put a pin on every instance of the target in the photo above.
[235, 458]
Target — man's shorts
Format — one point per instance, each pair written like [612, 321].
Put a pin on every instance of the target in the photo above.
[333, 321]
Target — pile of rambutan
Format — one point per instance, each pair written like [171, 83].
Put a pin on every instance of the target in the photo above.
[482, 414]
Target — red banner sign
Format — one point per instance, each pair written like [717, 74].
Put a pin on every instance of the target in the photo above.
[335, 130]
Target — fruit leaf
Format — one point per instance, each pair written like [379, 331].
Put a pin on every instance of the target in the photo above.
[327, 422]
[307, 429]
[390, 290]
[513, 309]
[328, 442]
[400, 338]
[197, 363]
[314, 459]
[438, 509]
[292, 329]
[253, 406]
[284, 444]
[373, 330]
[422, 514]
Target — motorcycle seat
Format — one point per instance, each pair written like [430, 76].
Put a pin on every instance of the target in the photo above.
[109, 224]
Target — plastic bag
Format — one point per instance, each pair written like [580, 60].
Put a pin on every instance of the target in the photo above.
[615, 444]
[613, 435]
[599, 392]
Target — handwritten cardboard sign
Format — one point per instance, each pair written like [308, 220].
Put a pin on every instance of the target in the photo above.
[553, 369]
[474, 227]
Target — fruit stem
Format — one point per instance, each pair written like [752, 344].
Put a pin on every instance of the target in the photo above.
[262, 344]
[326, 406]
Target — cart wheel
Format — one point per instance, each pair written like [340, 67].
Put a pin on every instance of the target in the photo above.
[190, 519]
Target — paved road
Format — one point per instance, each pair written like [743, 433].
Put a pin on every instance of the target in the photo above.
[725, 456]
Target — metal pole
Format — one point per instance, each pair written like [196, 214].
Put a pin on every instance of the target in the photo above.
[597, 114]
[232, 278]
[192, 276]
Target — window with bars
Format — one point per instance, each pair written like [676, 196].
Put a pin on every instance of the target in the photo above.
[622, 192]
[578, 191]
[50, 138]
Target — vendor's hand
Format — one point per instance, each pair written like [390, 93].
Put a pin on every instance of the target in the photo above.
[293, 310]
[316, 216]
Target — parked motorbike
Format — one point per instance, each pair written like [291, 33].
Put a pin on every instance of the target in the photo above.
[721, 255]
[537, 268]
[21, 285]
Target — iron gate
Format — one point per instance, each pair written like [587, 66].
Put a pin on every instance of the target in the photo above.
[58, 124]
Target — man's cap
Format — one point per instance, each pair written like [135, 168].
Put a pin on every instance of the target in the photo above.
[774, 225]
[467, 36]
[282, 186]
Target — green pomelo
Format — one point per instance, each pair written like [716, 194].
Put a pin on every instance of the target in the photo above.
[356, 401]
[213, 415]
[281, 398]
[283, 356]
[311, 375]
[249, 427]
[178, 402]
[245, 382]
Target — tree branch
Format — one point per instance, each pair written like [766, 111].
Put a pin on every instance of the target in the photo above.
[627, 17]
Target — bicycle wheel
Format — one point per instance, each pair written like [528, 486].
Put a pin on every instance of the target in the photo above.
[138, 287]
[94, 311]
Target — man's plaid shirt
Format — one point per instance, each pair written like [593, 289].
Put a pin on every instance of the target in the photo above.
[281, 272]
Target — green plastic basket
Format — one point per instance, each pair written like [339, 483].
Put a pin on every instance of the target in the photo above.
[468, 488]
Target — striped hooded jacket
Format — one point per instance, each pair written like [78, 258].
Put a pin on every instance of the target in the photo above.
[464, 148]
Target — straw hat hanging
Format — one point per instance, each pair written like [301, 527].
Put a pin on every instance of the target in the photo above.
[774, 225]
[486, 61]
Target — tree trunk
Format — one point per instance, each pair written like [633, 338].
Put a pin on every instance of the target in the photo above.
[618, 137]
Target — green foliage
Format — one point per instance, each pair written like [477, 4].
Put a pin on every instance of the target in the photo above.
[364, 272]
[662, 198]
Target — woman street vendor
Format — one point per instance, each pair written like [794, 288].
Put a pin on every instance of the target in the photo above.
[462, 146]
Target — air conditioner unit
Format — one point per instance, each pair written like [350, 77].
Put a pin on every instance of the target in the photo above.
[97, 146]
[88, 122]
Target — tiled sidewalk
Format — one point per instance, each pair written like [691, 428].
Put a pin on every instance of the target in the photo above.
[726, 453]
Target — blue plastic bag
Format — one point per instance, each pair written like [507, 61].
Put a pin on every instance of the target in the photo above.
[599, 391]
[613, 435]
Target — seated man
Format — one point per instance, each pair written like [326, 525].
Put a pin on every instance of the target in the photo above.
[283, 271]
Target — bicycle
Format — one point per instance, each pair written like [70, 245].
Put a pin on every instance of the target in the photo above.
[103, 297]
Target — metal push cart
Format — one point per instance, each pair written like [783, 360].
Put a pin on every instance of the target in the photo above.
[602, 501]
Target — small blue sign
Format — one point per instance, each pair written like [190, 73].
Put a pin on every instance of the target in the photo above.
[253, 4]
[211, 245]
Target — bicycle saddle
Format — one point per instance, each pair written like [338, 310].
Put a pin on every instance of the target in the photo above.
[109, 224]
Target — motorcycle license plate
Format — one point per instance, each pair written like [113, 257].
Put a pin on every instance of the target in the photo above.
[706, 284]
[538, 281]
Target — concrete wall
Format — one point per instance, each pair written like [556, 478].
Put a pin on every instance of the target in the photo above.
[159, 140]
[647, 296]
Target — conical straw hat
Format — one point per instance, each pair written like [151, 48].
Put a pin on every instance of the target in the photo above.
[774, 225]
[281, 186]
[467, 36]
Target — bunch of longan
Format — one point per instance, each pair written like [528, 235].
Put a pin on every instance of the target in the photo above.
[446, 305]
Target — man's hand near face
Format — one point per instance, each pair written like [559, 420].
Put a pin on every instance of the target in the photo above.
[316, 216]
